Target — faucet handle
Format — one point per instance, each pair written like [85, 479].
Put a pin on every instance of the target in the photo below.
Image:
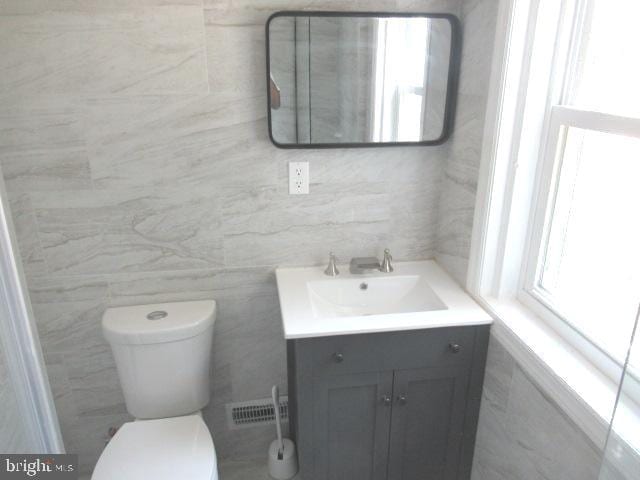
[386, 262]
[332, 269]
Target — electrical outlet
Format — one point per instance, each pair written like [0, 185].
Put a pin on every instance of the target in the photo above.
[298, 178]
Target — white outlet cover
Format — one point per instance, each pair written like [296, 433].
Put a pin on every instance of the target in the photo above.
[298, 178]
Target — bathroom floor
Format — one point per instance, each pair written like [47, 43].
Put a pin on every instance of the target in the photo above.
[244, 470]
[236, 470]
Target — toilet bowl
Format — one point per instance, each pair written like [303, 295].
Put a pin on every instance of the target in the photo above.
[162, 354]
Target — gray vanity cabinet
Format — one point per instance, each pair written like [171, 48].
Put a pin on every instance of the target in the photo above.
[387, 406]
[355, 437]
[428, 421]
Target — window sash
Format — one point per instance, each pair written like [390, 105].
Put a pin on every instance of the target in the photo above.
[560, 120]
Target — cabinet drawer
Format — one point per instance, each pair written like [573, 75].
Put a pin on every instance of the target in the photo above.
[393, 350]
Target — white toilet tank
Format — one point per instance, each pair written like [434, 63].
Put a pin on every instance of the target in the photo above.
[163, 354]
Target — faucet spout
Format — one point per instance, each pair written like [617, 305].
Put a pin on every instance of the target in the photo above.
[360, 265]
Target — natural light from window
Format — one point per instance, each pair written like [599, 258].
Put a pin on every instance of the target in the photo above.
[400, 88]
[608, 72]
[592, 256]
[589, 260]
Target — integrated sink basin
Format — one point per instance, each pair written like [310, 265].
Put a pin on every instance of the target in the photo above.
[377, 295]
[416, 295]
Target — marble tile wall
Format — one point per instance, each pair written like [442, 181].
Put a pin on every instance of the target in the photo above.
[134, 146]
[523, 434]
[460, 176]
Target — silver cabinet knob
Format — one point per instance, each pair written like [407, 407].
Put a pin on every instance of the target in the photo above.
[454, 347]
[386, 400]
[402, 399]
[338, 357]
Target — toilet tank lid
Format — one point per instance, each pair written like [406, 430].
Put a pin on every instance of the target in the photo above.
[157, 323]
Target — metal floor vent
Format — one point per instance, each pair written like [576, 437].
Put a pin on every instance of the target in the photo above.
[255, 412]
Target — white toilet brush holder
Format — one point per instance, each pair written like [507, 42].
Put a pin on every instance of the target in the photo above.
[286, 467]
[283, 462]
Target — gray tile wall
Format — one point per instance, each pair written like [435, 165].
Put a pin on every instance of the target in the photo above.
[460, 177]
[134, 146]
[523, 434]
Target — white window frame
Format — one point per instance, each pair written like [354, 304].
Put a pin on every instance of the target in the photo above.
[561, 119]
[523, 117]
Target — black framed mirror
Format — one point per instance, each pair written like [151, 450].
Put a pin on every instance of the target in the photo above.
[361, 79]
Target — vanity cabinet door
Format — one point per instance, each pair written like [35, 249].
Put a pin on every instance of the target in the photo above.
[351, 419]
[428, 422]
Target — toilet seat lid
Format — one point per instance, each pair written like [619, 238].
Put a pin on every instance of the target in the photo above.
[163, 449]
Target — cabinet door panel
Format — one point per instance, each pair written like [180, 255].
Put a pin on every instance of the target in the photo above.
[427, 423]
[351, 426]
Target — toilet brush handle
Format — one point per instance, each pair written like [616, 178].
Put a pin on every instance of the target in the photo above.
[275, 395]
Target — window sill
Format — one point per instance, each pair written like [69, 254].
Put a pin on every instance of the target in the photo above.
[584, 394]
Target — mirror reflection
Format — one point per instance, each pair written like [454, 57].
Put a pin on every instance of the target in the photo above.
[347, 80]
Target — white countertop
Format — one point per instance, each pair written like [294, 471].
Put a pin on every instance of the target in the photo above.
[300, 321]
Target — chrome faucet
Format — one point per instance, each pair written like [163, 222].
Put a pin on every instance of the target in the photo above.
[332, 269]
[360, 265]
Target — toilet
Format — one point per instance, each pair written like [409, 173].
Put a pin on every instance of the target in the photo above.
[162, 354]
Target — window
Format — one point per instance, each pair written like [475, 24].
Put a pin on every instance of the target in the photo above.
[555, 248]
[583, 259]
